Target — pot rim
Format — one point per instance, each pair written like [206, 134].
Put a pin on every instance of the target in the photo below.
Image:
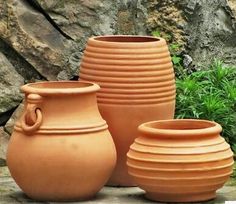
[132, 39]
[60, 87]
[185, 127]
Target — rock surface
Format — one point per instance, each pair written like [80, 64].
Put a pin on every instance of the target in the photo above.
[31, 35]
[44, 40]
[207, 29]
[50, 35]
[211, 31]
[25, 69]
[10, 81]
[81, 19]
[4, 137]
[10, 193]
[9, 126]
[167, 17]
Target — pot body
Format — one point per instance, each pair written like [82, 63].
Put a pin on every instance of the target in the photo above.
[70, 155]
[180, 160]
[137, 85]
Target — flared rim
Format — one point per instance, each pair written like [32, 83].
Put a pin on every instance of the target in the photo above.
[180, 127]
[60, 87]
[126, 42]
[126, 39]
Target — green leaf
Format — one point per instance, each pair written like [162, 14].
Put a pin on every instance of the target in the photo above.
[234, 147]
[174, 47]
[176, 60]
[156, 33]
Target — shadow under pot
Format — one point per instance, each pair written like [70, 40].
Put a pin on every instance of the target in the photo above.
[137, 85]
[180, 160]
[61, 149]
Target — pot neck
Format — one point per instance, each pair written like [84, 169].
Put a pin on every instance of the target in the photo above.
[126, 41]
[180, 129]
[60, 88]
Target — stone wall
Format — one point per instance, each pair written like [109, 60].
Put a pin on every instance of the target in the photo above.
[44, 39]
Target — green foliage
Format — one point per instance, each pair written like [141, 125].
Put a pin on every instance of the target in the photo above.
[176, 60]
[207, 94]
[156, 33]
[174, 47]
[210, 94]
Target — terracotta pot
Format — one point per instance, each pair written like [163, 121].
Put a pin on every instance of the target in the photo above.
[61, 149]
[180, 160]
[137, 85]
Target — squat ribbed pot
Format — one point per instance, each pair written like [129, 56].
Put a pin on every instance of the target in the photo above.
[180, 160]
[137, 85]
[61, 149]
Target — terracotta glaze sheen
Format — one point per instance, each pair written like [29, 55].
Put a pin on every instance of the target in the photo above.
[137, 85]
[61, 149]
[180, 160]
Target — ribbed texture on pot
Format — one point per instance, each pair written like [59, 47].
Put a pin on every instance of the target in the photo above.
[129, 73]
[180, 167]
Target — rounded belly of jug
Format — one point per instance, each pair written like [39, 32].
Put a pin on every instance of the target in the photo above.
[61, 167]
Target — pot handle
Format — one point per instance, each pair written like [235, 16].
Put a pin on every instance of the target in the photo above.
[32, 118]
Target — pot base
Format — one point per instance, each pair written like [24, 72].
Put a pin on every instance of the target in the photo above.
[161, 197]
[121, 184]
[61, 199]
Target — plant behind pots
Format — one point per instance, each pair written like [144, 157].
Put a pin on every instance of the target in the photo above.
[210, 94]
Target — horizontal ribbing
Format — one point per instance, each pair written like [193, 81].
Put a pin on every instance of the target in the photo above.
[131, 68]
[172, 158]
[167, 77]
[136, 101]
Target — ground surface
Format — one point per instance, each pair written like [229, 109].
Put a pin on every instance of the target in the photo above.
[10, 193]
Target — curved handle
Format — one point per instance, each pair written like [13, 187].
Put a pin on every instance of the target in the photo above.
[32, 118]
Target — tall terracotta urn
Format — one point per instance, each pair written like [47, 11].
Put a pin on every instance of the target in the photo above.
[61, 149]
[180, 160]
[137, 85]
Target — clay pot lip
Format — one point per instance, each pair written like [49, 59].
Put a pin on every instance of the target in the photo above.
[185, 127]
[60, 87]
[126, 40]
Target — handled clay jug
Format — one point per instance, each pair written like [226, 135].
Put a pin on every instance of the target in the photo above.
[137, 85]
[180, 160]
[61, 149]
